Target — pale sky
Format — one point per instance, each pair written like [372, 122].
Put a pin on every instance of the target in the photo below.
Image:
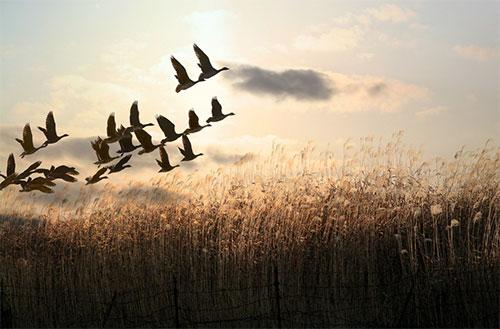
[431, 69]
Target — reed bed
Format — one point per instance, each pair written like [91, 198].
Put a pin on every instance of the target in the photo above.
[375, 237]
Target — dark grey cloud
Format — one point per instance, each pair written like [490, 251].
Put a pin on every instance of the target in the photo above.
[306, 85]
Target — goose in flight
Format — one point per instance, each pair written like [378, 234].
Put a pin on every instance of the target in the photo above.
[11, 175]
[113, 135]
[102, 151]
[41, 184]
[187, 152]
[163, 162]
[125, 141]
[97, 176]
[120, 165]
[135, 123]
[145, 139]
[194, 125]
[11, 166]
[217, 112]
[207, 70]
[61, 172]
[50, 130]
[27, 142]
[168, 129]
[182, 77]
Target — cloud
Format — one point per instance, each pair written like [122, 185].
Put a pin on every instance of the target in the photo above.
[333, 39]
[295, 83]
[430, 112]
[391, 13]
[476, 52]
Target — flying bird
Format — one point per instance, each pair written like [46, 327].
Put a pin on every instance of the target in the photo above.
[217, 114]
[50, 130]
[41, 184]
[135, 123]
[163, 162]
[182, 77]
[120, 165]
[113, 135]
[27, 142]
[145, 139]
[187, 152]
[61, 172]
[97, 176]
[168, 129]
[11, 166]
[194, 125]
[101, 149]
[207, 70]
[125, 141]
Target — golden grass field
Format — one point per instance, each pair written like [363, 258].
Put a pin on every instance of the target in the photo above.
[373, 236]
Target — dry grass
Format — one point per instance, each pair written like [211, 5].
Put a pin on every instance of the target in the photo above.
[374, 238]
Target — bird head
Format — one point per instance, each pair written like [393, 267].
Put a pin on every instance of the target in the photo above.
[224, 68]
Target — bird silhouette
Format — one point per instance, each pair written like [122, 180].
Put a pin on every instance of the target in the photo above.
[187, 152]
[163, 162]
[113, 135]
[145, 139]
[125, 141]
[11, 166]
[207, 70]
[168, 129]
[120, 165]
[217, 114]
[101, 149]
[194, 125]
[135, 123]
[182, 77]
[41, 184]
[97, 176]
[27, 142]
[50, 130]
[62, 172]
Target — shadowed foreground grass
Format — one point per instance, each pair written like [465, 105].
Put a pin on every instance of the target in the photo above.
[378, 238]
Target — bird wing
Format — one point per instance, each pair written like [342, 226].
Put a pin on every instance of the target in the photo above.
[187, 145]
[100, 172]
[134, 114]
[180, 71]
[111, 128]
[104, 150]
[30, 170]
[216, 108]
[42, 181]
[205, 64]
[193, 120]
[166, 125]
[143, 137]
[50, 123]
[11, 165]
[123, 161]
[96, 147]
[27, 137]
[164, 156]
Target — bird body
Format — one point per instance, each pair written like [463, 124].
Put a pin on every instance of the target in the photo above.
[207, 70]
[168, 129]
[27, 142]
[146, 142]
[120, 165]
[135, 123]
[97, 176]
[194, 125]
[50, 130]
[62, 172]
[125, 141]
[182, 77]
[113, 135]
[101, 149]
[187, 152]
[41, 184]
[217, 114]
[164, 163]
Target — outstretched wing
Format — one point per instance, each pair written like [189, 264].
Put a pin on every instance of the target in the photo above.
[103, 150]
[123, 161]
[30, 170]
[134, 114]
[11, 165]
[27, 137]
[164, 156]
[216, 108]
[193, 120]
[166, 125]
[50, 124]
[180, 71]
[143, 137]
[187, 145]
[205, 64]
[100, 172]
[111, 128]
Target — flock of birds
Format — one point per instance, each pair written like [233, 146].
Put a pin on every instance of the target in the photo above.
[44, 180]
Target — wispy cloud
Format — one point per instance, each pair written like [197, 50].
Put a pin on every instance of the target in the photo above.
[430, 112]
[391, 13]
[333, 39]
[476, 52]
